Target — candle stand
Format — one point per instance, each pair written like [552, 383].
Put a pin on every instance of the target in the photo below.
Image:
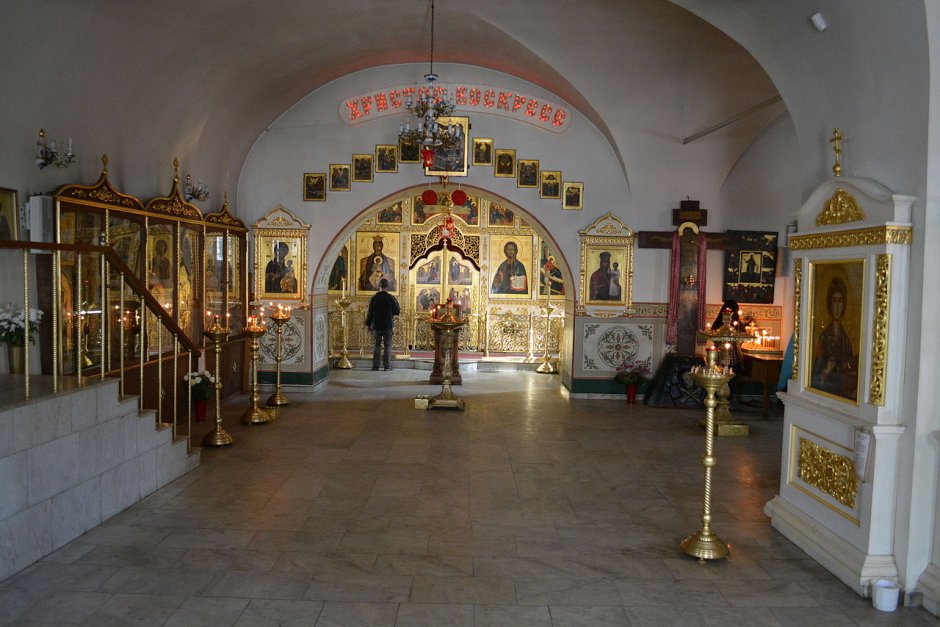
[704, 544]
[448, 325]
[547, 367]
[727, 334]
[342, 358]
[254, 414]
[218, 436]
[279, 317]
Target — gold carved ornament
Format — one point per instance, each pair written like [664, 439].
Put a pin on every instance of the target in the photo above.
[828, 472]
[839, 209]
[797, 297]
[877, 235]
[879, 333]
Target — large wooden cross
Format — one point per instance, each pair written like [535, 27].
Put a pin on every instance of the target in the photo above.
[688, 219]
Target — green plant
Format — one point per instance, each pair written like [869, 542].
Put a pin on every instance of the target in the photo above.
[201, 385]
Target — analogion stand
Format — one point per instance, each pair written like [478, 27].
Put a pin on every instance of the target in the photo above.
[447, 325]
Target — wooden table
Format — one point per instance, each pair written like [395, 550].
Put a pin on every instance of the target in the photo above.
[766, 370]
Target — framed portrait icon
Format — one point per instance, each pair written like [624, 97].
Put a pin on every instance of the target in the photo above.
[550, 184]
[504, 164]
[9, 211]
[482, 151]
[452, 160]
[572, 195]
[836, 311]
[606, 271]
[409, 152]
[362, 168]
[510, 259]
[315, 187]
[386, 158]
[280, 259]
[528, 173]
[339, 177]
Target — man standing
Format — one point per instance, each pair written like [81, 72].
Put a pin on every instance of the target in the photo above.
[380, 319]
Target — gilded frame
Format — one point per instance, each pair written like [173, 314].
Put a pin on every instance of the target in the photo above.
[608, 234]
[340, 177]
[572, 196]
[408, 153]
[9, 214]
[362, 168]
[834, 337]
[367, 282]
[604, 285]
[527, 173]
[339, 273]
[482, 151]
[504, 281]
[452, 162]
[550, 184]
[504, 163]
[386, 158]
[315, 186]
[271, 234]
[505, 218]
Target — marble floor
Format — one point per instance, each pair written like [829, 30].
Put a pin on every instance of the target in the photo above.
[528, 508]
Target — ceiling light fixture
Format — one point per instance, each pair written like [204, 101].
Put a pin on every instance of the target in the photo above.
[431, 104]
[47, 154]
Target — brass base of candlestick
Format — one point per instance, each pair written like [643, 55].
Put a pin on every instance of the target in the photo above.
[217, 437]
[446, 399]
[278, 399]
[705, 546]
[342, 361]
[256, 416]
[547, 366]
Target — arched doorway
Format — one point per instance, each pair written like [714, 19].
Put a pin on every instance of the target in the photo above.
[500, 265]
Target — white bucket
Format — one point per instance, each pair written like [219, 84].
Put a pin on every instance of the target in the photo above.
[884, 595]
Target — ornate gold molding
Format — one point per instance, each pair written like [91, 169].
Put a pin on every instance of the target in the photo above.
[798, 298]
[879, 332]
[855, 237]
[828, 472]
[839, 209]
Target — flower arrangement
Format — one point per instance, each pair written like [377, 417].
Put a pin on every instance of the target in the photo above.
[13, 325]
[201, 385]
[631, 373]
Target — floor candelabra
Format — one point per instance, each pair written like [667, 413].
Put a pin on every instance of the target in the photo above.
[218, 436]
[448, 324]
[254, 414]
[280, 316]
[724, 339]
[547, 367]
[342, 359]
[704, 544]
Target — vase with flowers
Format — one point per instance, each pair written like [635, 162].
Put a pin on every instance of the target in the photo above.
[13, 325]
[201, 387]
[632, 375]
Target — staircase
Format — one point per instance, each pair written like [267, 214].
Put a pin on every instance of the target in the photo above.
[70, 460]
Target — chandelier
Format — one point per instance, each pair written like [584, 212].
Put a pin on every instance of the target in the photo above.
[199, 191]
[431, 104]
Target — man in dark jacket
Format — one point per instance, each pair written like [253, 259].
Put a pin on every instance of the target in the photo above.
[382, 309]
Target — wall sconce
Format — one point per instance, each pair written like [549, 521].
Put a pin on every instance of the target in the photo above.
[47, 154]
[199, 191]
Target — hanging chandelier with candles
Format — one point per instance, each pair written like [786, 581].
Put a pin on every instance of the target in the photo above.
[431, 104]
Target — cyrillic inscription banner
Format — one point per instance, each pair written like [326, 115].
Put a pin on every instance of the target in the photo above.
[467, 98]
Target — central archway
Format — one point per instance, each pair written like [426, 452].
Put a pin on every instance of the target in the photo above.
[399, 237]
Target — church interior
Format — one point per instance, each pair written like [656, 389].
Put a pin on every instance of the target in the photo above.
[620, 234]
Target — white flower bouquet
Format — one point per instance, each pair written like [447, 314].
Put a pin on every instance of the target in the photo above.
[201, 385]
[13, 325]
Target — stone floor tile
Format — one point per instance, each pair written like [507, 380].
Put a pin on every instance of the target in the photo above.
[566, 591]
[473, 590]
[360, 588]
[279, 613]
[511, 616]
[434, 615]
[581, 616]
[67, 608]
[340, 614]
[207, 612]
[135, 609]
[257, 585]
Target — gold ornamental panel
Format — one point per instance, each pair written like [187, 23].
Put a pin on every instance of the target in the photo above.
[508, 332]
[798, 298]
[839, 209]
[879, 333]
[555, 328]
[873, 236]
[828, 472]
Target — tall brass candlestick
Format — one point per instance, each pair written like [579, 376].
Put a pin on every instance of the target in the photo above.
[704, 544]
[724, 339]
[280, 317]
[218, 436]
[254, 414]
[342, 360]
[547, 367]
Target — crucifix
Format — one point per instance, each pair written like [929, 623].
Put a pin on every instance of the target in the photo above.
[687, 282]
